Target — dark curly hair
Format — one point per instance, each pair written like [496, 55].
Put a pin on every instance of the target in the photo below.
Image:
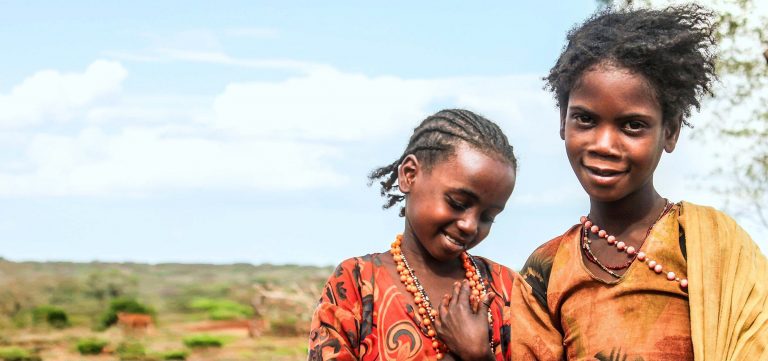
[672, 48]
[436, 138]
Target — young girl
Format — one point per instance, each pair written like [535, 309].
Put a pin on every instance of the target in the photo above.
[455, 176]
[639, 277]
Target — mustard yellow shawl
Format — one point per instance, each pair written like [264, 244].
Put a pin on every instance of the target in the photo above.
[728, 291]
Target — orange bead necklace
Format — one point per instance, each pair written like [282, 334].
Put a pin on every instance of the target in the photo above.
[426, 312]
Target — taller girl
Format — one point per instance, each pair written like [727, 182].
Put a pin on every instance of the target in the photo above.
[640, 277]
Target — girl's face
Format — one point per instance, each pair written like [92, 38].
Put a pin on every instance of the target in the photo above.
[614, 134]
[451, 207]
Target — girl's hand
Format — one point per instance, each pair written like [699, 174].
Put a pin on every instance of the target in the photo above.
[462, 327]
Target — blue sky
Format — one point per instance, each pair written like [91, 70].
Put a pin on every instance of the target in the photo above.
[244, 131]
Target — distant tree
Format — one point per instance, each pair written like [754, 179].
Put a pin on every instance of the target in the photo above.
[53, 316]
[740, 105]
[124, 304]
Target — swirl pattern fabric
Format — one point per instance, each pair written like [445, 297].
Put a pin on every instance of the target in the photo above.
[362, 315]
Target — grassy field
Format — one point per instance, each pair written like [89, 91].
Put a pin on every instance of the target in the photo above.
[217, 302]
[60, 345]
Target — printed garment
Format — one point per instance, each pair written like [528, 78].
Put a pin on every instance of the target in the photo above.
[571, 314]
[362, 315]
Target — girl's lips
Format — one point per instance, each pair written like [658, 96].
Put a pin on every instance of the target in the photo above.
[604, 177]
[454, 242]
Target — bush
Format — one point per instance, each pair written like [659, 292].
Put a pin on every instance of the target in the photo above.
[174, 355]
[90, 346]
[203, 341]
[129, 305]
[131, 351]
[221, 309]
[53, 316]
[17, 354]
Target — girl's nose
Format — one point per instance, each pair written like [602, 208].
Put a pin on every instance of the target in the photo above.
[468, 225]
[605, 142]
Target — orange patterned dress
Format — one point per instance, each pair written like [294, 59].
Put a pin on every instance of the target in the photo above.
[362, 315]
[576, 316]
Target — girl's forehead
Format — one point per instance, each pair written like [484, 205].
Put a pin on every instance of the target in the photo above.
[616, 81]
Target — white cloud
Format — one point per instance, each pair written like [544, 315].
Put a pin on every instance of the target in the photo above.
[332, 105]
[138, 161]
[49, 95]
[152, 109]
[279, 135]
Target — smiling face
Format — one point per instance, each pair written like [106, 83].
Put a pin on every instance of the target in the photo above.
[614, 133]
[451, 206]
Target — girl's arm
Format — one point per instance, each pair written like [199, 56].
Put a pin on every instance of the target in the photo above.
[463, 326]
[333, 332]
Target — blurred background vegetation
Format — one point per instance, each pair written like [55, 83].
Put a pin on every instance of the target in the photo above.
[60, 310]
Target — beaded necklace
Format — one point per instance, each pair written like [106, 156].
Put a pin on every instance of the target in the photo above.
[477, 284]
[589, 226]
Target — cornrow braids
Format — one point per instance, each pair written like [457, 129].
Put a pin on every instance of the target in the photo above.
[435, 139]
[672, 48]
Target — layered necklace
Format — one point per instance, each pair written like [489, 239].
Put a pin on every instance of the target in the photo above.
[632, 252]
[426, 312]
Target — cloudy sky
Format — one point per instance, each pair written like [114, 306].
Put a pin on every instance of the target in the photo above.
[244, 131]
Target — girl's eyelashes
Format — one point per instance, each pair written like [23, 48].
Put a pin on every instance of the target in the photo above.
[461, 206]
[582, 119]
[455, 204]
[635, 126]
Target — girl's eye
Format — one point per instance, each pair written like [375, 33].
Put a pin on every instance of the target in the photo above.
[487, 219]
[459, 206]
[582, 118]
[634, 125]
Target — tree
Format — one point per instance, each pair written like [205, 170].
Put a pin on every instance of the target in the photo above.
[739, 108]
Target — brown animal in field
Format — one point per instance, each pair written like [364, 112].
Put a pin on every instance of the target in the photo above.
[134, 321]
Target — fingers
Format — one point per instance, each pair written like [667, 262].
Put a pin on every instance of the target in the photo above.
[455, 295]
[442, 313]
[463, 297]
[485, 301]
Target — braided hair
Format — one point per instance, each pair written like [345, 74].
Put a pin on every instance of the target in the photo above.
[672, 48]
[435, 139]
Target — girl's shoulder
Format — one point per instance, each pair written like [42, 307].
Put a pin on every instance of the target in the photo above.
[353, 279]
[357, 265]
[538, 267]
[699, 217]
[543, 256]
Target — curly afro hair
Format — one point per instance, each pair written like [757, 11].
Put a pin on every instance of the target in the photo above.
[673, 48]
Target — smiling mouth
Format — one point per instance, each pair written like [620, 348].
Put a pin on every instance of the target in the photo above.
[452, 240]
[604, 172]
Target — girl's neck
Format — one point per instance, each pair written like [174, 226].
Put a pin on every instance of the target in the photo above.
[637, 209]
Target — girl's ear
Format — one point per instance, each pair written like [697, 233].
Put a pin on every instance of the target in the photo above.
[406, 173]
[672, 133]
